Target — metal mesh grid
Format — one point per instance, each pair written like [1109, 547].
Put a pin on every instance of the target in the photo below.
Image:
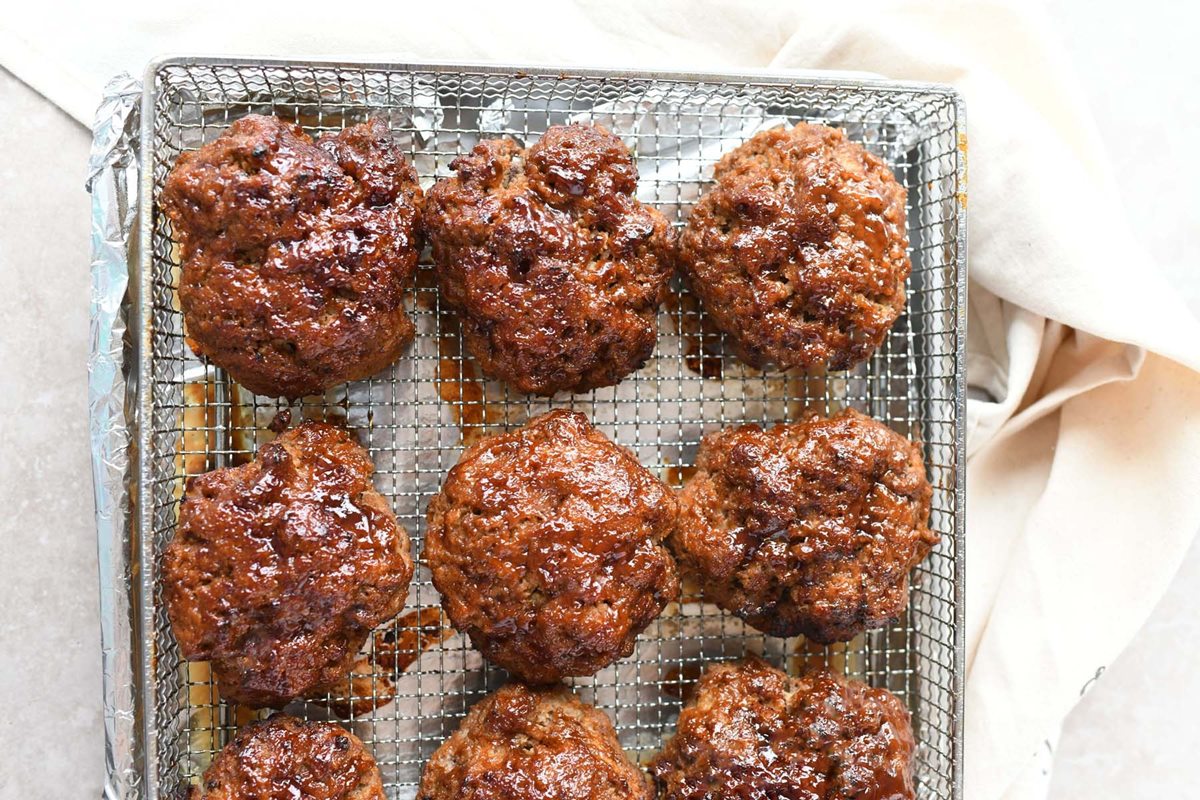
[415, 418]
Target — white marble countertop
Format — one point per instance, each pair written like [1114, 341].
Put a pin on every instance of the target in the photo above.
[1128, 738]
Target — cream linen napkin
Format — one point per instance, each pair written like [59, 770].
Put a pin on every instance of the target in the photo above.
[1084, 422]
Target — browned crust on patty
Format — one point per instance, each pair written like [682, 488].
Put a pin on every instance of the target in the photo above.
[284, 758]
[280, 568]
[553, 265]
[296, 254]
[799, 252]
[808, 528]
[752, 732]
[546, 544]
[522, 743]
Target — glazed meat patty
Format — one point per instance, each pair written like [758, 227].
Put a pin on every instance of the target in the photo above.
[799, 252]
[522, 743]
[750, 731]
[554, 267]
[546, 544]
[296, 254]
[285, 758]
[280, 568]
[808, 528]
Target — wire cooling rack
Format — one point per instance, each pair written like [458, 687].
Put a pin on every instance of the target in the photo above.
[417, 677]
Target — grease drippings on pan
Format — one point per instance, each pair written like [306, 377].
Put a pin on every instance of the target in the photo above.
[680, 680]
[701, 340]
[425, 291]
[459, 385]
[372, 682]
[844, 658]
[676, 475]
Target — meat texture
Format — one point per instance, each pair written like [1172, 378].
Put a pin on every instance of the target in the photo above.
[285, 758]
[799, 252]
[546, 544]
[554, 267]
[752, 732]
[808, 528]
[280, 568]
[522, 743]
[295, 254]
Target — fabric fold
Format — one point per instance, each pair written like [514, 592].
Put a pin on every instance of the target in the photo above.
[1084, 418]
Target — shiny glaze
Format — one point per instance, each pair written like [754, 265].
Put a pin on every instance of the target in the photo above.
[546, 546]
[809, 528]
[752, 732]
[285, 758]
[281, 421]
[295, 253]
[280, 568]
[522, 743]
[553, 265]
[799, 251]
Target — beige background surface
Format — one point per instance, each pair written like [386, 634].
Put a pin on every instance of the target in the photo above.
[51, 739]
[1131, 737]
[1134, 735]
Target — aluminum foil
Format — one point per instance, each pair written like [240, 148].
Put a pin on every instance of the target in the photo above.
[112, 181]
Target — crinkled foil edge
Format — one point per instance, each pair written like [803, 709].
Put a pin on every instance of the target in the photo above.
[112, 182]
